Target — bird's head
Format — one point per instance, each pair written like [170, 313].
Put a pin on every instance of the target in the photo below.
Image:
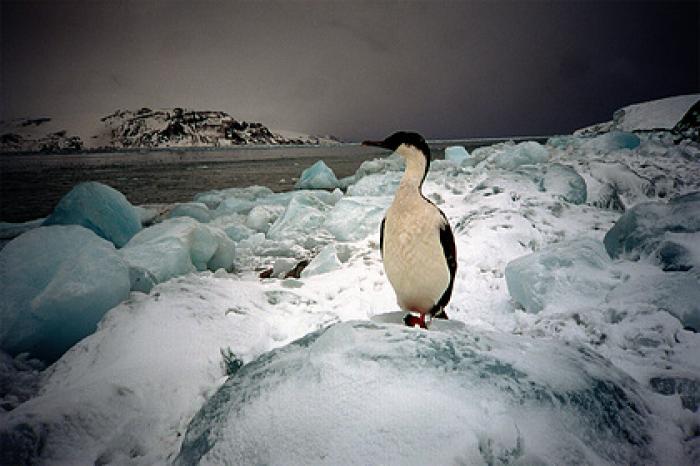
[410, 146]
[403, 143]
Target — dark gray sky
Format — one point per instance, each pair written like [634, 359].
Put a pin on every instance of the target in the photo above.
[352, 69]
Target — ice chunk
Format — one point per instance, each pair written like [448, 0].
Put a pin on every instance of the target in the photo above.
[178, 246]
[563, 181]
[262, 216]
[304, 214]
[457, 154]
[378, 184]
[614, 140]
[575, 273]
[56, 283]
[100, 208]
[618, 184]
[12, 230]
[356, 217]
[234, 205]
[394, 162]
[678, 293]
[317, 176]
[212, 199]
[641, 229]
[521, 400]
[234, 226]
[196, 210]
[679, 252]
[326, 261]
[525, 153]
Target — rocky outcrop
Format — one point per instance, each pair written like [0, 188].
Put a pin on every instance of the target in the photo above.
[20, 136]
[145, 128]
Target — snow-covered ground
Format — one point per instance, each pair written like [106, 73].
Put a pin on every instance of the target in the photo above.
[572, 340]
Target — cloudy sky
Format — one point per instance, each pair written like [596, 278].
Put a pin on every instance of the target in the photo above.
[352, 69]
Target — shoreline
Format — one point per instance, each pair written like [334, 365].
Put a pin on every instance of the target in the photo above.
[31, 185]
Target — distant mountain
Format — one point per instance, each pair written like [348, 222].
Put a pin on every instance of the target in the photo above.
[145, 128]
[679, 115]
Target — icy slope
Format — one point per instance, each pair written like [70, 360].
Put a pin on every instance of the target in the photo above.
[588, 357]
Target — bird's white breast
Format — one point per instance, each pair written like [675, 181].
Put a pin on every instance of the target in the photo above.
[414, 260]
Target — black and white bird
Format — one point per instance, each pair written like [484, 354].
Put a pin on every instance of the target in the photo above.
[416, 241]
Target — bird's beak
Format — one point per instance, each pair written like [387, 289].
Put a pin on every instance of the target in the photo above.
[374, 144]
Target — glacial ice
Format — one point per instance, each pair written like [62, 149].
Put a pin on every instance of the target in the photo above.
[641, 229]
[366, 393]
[326, 261]
[57, 282]
[100, 208]
[196, 210]
[614, 140]
[457, 154]
[178, 246]
[355, 217]
[317, 176]
[525, 153]
[570, 274]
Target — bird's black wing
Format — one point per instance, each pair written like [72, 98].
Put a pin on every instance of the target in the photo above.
[447, 240]
[381, 237]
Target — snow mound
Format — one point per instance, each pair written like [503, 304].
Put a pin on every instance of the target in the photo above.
[641, 229]
[317, 176]
[457, 154]
[570, 274]
[178, 246]
[56, 283]
[100, 208]
[655, 115]
[363, 393]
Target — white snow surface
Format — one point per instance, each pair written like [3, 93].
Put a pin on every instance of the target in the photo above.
[657, 114]
[150, 386]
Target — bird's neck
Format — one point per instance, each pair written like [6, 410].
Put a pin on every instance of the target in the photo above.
[412, 179]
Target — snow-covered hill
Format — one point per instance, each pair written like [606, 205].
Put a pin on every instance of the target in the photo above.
[679, 115]
[143, 128]
[573, 336]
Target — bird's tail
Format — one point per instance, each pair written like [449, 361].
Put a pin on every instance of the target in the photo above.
[438, 313]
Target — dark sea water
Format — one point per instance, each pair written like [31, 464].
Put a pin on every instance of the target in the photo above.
[31, 185]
